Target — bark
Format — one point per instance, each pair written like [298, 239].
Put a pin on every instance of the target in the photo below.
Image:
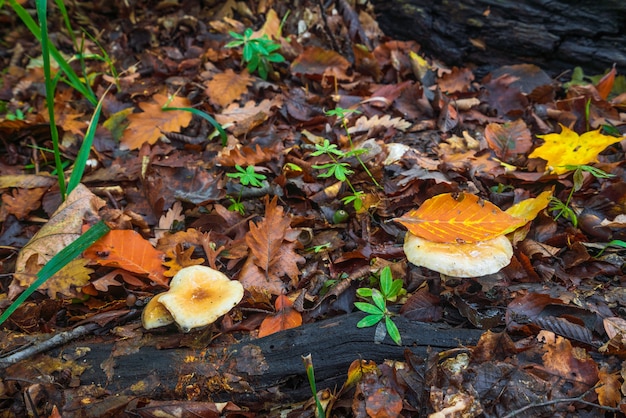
[269, 369]
[556, 35]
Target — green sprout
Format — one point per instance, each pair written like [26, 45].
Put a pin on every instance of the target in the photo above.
[390, 289]
[563, 208]
[247, 177]
[338, 169]
[258, 53]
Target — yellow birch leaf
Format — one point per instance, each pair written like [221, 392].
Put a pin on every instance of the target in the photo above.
[568, 148]
[529, 209]
[461, 218]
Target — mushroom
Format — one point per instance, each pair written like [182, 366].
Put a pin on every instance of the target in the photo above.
[459, 260]
[198, 295]
[155, 315]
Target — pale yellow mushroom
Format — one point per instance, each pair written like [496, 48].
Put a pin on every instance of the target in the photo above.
[459, 260]
[199, 295]
[155, 315]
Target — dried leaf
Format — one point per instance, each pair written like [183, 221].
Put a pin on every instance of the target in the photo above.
[317, 63]
[74, 275]
[463, 219]
[247, 117]
[273, 257]
[568, 148]
[63, 228]
[286, 317]
[22, 201]
[509, 139]
[363, 124]
[227, 87]
[128, 250]
[149, 125]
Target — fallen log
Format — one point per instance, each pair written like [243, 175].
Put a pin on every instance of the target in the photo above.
[268, 369]
[555, 35]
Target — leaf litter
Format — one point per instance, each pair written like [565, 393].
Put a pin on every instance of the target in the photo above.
[509, 143]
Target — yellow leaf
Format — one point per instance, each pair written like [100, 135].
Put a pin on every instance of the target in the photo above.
[149, 125]
[464, 218]
[529, 209]
[74, 275]
[568, 148]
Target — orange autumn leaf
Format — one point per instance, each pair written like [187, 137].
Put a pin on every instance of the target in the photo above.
[462, 218]
[128, 250]
[227, 87]
[569, 148]
[286, 317]
[149, 125]
[316, 62]
[605, 85]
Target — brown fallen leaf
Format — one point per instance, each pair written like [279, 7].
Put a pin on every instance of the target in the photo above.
[286, 317]
[63, 228]
[148, 126]
[227, 87]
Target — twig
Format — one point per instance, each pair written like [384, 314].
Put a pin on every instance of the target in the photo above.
[50, 343]
[578, 399]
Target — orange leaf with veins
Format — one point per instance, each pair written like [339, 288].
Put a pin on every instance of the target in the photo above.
[286, 317]
[464, 218]
[128, 250]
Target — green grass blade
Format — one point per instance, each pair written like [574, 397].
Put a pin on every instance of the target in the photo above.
[42, 15]
[85, 148]
[206, 117]
[57, 262]
[74, 79]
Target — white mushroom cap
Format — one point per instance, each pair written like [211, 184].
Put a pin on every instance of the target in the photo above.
[199, 295]
[155, 315]
[459, 260]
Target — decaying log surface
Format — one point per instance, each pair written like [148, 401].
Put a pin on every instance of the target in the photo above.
[554, 34]
[265, 369]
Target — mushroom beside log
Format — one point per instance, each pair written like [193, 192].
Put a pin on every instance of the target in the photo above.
[197, 297]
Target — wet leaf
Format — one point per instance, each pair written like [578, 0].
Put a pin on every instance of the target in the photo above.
[286, 317]
[569, 148]
[463, 218]
[128, 250]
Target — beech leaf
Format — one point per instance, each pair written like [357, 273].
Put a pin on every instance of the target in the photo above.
[128, 250]
[461, 218]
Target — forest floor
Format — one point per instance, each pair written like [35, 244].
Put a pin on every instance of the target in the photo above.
[342, 152]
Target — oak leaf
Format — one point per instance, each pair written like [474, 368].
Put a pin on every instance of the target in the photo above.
[227, 87]
[286, 317]
[464, 218]
[569, 148]
[270, 256]
[318, 63]
[149, 125]
[128, 250]
[74, 275]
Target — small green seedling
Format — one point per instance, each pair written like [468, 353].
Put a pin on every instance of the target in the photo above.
[390, 289]
[564, 208]
[310, 374]
[338, 169]
[258, 53]
[247, 177]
